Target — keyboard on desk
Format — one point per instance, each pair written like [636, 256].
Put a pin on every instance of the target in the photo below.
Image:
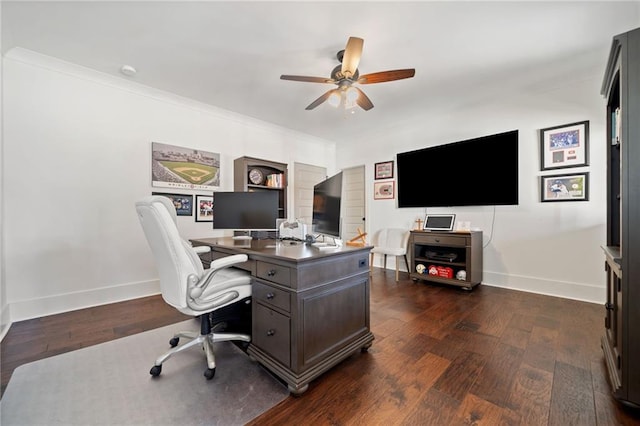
[324, 246]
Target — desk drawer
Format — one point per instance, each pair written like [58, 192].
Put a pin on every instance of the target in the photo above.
[271, 333]
[274, 273]
[448, 240]
[271, 296]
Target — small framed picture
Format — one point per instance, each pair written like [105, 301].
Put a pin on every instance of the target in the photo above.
[569, 187]
[182, 202]
[383, 190]
[204, 208]
[564, 146]
[384, 170]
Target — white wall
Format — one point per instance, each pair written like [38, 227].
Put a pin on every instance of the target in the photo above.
[549, 248]
[77, 156]
[4, 307]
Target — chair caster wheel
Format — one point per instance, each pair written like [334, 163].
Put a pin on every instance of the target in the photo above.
[209, 373]
[155, 370]
[174, 342]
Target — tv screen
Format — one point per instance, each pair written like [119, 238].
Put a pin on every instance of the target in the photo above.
[256, 210]
[475, 172]
[327, 196]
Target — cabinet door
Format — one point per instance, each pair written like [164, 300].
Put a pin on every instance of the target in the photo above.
[613, 319]
[344, 313]
[618, 309]
[271, 332]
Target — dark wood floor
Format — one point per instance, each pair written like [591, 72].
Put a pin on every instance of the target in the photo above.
[442, 356]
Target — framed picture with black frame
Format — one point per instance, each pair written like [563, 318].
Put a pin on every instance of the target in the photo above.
[182, 202]
[565, 187]
[384, 170]
[204, 208]
[564, 146]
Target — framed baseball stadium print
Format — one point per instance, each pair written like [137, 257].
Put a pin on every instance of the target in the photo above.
[184, 168]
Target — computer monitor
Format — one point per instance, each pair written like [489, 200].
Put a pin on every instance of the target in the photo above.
[250, 211]
[327, 197]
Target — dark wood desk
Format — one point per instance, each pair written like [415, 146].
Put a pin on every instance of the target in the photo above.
[310, 307]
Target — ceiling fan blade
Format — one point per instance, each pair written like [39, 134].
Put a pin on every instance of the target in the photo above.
[363, 100]
[321, 99]
[306, 79]
[382, 76]
[351, 57]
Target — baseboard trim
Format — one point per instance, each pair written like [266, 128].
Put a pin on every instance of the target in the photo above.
[5, 321]
[564, 289]
[35, 308]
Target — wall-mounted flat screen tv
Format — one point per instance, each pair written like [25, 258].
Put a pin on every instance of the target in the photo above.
[476, 172]
[327, 196]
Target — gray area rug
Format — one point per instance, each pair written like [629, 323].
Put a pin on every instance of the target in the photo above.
[110, 384]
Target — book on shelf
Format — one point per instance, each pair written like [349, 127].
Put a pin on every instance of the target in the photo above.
[275, 180]
[616, 127]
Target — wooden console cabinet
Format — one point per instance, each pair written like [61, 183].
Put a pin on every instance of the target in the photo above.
[310, 308]
[621, 339]
[453, 258]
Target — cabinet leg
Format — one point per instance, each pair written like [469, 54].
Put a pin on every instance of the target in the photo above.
[298, 390]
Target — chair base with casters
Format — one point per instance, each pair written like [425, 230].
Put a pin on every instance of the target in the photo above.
[231, 323]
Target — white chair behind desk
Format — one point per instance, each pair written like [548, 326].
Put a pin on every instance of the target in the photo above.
[392, 242]
[214, 294]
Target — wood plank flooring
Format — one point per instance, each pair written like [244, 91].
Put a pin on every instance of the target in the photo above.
[441, 356]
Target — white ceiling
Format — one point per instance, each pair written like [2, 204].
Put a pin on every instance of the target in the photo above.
[231, 54]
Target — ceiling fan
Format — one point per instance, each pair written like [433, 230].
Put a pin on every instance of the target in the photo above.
[346, 74]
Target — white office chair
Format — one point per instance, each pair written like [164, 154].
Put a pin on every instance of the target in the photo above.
[191, 289]
[392, 242]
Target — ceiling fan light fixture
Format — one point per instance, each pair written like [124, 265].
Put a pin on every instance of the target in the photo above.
[351, 95]
[334, 99]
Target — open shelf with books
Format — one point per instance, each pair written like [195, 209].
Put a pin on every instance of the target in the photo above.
[255, 174]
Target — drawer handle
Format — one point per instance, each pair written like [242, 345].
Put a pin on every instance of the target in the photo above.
[437, 240]
[271, 332]
[271, 272]
[270, 296]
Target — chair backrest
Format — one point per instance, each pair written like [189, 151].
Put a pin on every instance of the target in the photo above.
[393, 238]
[174, 257]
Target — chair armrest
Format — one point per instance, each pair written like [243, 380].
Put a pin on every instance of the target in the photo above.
[195, 286]
[202, 249]
[226, 289]
[227, 261]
